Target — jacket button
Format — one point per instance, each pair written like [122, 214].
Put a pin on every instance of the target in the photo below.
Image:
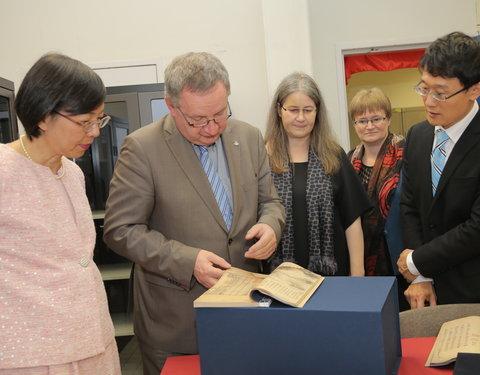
[230, 241]
[432, 226]
[84, 262]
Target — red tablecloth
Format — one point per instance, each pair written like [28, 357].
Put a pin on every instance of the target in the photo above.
[415, 353]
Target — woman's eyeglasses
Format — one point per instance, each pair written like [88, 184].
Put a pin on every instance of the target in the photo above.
[295, 112]
[88, 125]
[374, 121]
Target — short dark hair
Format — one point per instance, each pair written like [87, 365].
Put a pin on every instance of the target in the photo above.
[57, 83]
[455, 55]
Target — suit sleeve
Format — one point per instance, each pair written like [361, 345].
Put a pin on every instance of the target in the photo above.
[128, 211]
[457, 246]
[270, 208]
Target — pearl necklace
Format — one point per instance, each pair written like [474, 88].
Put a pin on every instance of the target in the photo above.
[57, 176]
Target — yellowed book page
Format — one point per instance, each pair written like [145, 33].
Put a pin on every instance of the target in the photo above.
[233, 289]
[291, 284]
[459, 335]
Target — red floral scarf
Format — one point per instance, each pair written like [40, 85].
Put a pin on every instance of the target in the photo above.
[381, 188]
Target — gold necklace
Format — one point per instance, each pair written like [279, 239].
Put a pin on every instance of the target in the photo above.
[57, 176]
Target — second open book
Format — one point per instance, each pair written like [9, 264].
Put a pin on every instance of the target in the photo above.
[455, 336]
[289, 283]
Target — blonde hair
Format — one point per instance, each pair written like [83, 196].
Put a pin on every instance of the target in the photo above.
[369, 100]
[322, 140]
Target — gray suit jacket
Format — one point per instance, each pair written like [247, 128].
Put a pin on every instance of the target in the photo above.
[161, 212]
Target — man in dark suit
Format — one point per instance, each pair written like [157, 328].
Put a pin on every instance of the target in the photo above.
[164, 215]
[440, 202]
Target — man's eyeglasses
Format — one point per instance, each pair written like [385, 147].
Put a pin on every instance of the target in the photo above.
[423, 91]
[217, 119]
[88, 125]
[374, 121]
[294, 111]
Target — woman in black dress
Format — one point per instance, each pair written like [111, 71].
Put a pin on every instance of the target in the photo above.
[322, 194]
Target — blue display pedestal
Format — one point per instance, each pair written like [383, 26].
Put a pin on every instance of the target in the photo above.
[349, 326]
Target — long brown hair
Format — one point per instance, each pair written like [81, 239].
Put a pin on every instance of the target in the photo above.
[322, 140]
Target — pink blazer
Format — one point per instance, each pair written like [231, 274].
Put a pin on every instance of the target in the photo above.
[53, 306]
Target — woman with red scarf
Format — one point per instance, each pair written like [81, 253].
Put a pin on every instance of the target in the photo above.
[377, 160]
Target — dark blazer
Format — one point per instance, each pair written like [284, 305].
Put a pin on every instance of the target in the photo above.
[444, 230]
[161, 212]
[392, 230]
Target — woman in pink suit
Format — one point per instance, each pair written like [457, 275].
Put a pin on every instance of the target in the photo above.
[53, 307]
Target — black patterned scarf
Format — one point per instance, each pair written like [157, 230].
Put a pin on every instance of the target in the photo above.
[320, 218]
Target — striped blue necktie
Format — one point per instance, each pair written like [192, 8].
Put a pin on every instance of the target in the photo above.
[438, 157]
[217, 186]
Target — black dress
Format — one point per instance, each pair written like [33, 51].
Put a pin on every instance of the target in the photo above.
[299, 213]
[350, 202]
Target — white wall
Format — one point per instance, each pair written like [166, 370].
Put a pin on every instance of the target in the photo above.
[287, 39]
[259, 41]
[478, 15]
[103, 31]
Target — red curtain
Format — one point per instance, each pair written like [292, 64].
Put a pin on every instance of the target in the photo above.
[381, 62]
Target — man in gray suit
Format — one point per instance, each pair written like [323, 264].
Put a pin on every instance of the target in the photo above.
[163, 214]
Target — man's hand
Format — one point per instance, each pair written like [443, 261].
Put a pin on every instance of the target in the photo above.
[402, 265]
[419, 293]
[266, 244]
[209, 268]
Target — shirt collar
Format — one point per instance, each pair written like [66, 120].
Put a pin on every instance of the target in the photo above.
[211, 148]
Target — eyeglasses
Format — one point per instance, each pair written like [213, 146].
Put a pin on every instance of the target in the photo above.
[423, 91]
[217, 119]
[374, 121]
[295, 112]
[88, 125]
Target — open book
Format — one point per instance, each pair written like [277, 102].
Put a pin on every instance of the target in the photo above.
[456, 336]
[288, 283]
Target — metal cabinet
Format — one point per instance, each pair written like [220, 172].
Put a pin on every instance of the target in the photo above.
[8, 119]
[130, 108]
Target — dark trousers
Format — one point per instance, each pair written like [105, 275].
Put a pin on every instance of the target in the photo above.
[153, 359]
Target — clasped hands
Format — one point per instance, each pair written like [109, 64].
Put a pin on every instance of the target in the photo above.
[402, 266]
[209, 267]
